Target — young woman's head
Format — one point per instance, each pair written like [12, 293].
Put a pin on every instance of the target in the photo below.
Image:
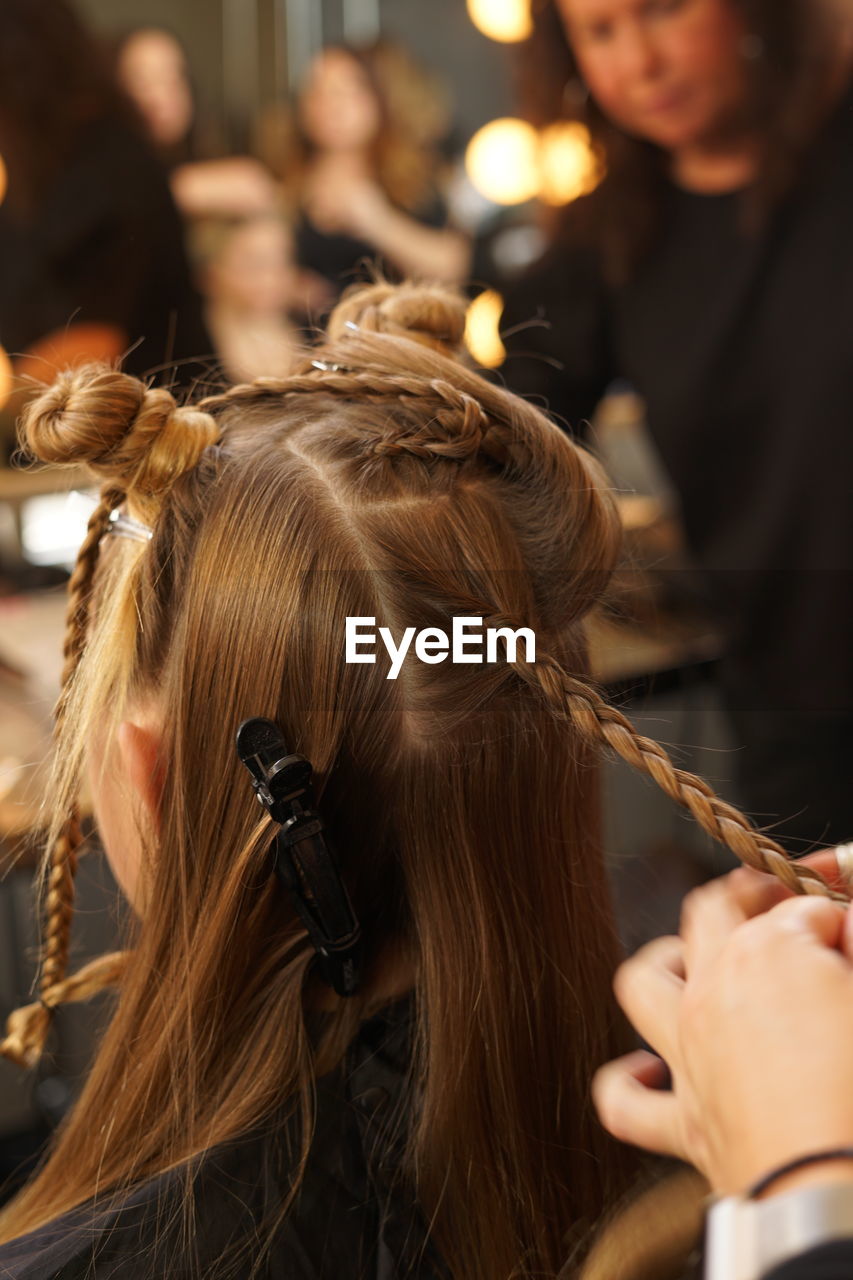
[375, 102]
[654, 78]
[340, 108]
[152, 68]
[385, 481]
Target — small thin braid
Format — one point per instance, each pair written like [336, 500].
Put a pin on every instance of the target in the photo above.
[28, 1028]
[597, 721]
[578, 701]
[371, 385]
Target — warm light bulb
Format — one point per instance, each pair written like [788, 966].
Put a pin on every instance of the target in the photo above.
[4, 180]
[5, 378]
[482, 329]
[568, 162]
[504, 20]
[502, 162]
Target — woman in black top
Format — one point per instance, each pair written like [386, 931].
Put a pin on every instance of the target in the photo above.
[714, 269]
[358, 163]
[92, 262]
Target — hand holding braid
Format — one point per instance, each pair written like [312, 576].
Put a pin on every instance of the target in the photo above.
[140, 442]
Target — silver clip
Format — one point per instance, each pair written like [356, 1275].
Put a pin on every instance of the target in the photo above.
[326, 367]
[126, 527]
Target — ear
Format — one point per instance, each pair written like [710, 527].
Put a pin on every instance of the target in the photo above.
[139, 746]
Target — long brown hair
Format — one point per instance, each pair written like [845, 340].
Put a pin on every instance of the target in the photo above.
[793, 81]
[382, 479]
[413, 119]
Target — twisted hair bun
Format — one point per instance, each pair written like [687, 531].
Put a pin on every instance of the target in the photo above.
[127, 433]
[424, 313]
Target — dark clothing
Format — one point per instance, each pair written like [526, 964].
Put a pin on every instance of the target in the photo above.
[104, 245]
[342, 260]
[827, 1262]
[741, 344]
[354, 1216]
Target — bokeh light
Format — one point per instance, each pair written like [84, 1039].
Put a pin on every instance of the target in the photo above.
[502, 161]
[504, 20]
[482, 329]
[4, 180]
[5, 378]
[569, 164]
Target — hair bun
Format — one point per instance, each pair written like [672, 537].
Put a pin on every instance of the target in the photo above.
[124, 431]
[429, 314]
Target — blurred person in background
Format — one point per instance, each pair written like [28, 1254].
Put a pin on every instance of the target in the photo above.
[251, 283]
[713, 268]
[153, 68]
[92, 262]
[357, 157]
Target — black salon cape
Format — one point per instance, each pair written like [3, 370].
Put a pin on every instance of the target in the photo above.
[741, 344]
[353, 1219]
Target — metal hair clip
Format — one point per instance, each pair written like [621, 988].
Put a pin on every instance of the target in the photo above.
[303, 860]
[126, 527]
[328, 368]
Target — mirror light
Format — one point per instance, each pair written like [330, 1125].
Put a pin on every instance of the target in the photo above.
[504, 20]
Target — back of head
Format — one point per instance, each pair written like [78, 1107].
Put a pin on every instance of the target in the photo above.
[384, 481]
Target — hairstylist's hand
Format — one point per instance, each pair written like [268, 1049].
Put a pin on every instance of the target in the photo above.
[752, 1010]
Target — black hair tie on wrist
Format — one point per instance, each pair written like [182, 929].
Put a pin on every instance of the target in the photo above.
[801, 1162]
[303, 860]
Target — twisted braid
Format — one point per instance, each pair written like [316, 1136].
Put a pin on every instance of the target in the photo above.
[578, 702]
[460, 415]
[139, 442]
[80, 590]
[598, 722]
[28, 1028]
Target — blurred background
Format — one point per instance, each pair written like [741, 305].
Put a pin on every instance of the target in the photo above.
[188, 185]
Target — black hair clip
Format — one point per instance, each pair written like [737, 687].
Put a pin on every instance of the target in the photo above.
[303, 860]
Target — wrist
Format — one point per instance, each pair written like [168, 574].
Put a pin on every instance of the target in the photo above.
[825, 1173]
[373, 216]
[745, 1239]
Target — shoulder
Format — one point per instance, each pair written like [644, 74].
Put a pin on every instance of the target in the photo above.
[112, 174]
[229, 1213]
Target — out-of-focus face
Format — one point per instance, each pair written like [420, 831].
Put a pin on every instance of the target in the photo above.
[255, 270]
[338, 109]
[669, 71]
[153, 72]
